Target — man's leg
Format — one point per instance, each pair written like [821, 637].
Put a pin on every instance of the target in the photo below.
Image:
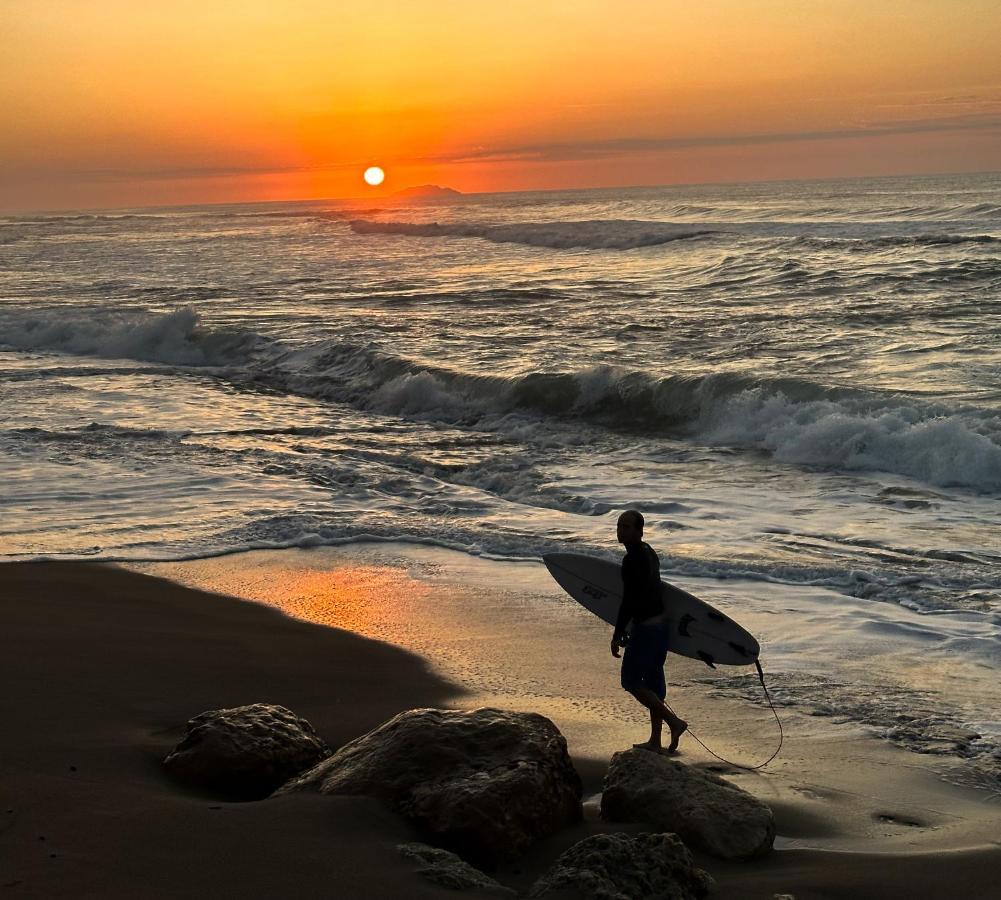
[659, 713]
[656, 729]
[642, 672]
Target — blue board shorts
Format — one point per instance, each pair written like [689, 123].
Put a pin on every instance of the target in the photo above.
[644, 657]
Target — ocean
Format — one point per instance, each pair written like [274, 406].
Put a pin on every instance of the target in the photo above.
[799, 384]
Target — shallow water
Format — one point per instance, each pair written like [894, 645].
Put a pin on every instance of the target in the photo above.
[507, 635]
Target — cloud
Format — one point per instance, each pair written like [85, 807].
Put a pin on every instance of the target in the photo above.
[565, 151]
[570, 151]
[970, 104]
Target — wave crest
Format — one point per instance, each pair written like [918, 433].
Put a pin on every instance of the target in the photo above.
[598, 234]
[175, 338]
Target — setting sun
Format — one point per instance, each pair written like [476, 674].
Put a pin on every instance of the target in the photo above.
[374, 176]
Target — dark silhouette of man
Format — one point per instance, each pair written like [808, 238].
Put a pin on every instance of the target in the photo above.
[646, 649]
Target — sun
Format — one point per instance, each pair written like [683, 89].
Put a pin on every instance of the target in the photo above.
[374, 175]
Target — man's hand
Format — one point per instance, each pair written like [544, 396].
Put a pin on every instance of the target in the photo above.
[615, 647]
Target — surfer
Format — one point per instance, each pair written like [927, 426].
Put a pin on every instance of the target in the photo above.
[646, 651]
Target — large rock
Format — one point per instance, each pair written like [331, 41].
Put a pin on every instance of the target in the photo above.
[447, 870]
[485, 783]
[625, 867]
[246, 752]
[707, 812]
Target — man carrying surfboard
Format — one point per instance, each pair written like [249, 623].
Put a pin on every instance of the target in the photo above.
[646, 651]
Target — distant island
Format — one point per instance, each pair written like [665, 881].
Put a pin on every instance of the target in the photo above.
[424, 191]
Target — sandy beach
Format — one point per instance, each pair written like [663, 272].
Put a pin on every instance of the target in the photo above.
[102, 666]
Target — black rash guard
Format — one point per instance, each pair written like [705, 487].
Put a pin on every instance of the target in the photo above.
[641, 587]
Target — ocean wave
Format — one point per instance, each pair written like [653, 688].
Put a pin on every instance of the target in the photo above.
[83, 219]
[984, 210]
[599, 234]
[937, 239]
[796, 420]
[97, 432]
[894, 241]
[494, 296]
[956, 211]
[175, 338]
[321, 215]
[52, 373]
[931, 444]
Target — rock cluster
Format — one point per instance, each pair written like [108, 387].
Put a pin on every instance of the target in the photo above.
[625, 867]
[485, 783]
[246, 752]
[705, 811]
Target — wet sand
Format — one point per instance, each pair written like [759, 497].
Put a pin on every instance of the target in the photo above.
[101, 667]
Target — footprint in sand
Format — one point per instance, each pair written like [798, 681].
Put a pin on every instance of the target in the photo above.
[891, 819]
[813, 792]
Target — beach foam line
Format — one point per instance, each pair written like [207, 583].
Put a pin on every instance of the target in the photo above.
[941, 592]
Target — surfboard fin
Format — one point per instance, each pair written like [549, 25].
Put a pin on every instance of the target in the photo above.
[707, 658]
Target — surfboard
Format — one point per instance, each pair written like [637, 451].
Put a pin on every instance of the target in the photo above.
[698, 630]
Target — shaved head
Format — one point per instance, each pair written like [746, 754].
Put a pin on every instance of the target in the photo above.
[629, 528]
[633, 517]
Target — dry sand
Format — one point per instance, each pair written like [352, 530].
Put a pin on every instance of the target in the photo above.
[102, 666]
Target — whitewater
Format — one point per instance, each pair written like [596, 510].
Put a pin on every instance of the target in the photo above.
[798, 383]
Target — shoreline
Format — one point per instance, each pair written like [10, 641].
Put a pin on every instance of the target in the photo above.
[103, 666]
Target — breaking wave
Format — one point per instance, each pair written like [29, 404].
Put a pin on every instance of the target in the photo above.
[175, 338]
[797, 421]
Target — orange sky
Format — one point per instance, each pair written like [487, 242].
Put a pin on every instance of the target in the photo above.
[108, 103]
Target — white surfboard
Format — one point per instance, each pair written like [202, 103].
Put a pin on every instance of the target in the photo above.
[698, 631]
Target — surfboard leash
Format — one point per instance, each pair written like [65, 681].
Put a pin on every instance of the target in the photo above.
[729, 762]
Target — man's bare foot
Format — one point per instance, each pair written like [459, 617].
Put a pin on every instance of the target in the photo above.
[646, 745]
[678, 728]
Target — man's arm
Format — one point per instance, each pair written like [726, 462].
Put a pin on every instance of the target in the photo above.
[621, 621]
[625, 607]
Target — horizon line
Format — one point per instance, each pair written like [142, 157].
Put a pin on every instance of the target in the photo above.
[387, 197]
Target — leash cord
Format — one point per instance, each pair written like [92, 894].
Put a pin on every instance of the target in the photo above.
[764, 687]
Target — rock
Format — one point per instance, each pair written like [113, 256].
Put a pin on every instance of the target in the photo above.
[625, 867]
[705, 811]
[245, 752]
[485, 783]
[447, 870]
